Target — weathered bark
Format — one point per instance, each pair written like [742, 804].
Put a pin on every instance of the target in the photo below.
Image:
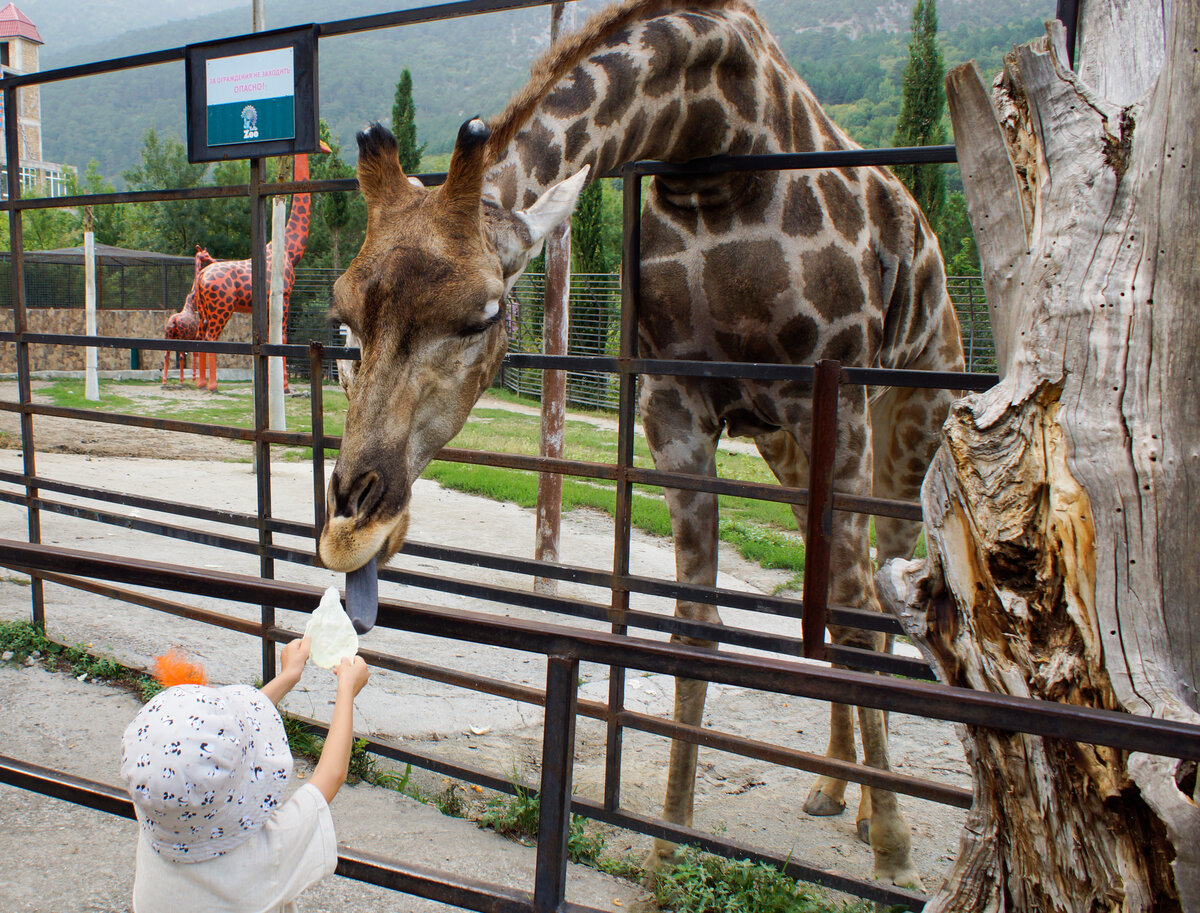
[1064, 560]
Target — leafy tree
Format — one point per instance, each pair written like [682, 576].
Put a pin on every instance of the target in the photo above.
[922, 107]
[224, 230]
[957, 238]
[404, 125]
[108, 222]
[175, 227]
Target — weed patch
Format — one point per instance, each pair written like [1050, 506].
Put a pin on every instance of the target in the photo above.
[700, 883]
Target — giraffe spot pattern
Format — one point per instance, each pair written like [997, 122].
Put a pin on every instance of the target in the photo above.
[735, 76]
[575, 97]
[801, 210]
[831, 282]
[668, 54]
[743, 281]
[843, 207]
[621, 90]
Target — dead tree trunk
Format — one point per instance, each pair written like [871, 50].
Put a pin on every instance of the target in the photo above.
[1062, 511]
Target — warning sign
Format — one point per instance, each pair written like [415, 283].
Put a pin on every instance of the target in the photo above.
[251, 97]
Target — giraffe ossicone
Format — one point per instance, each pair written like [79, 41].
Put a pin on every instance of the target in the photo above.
[778, 267]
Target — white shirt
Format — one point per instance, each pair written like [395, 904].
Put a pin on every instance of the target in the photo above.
[293, 850]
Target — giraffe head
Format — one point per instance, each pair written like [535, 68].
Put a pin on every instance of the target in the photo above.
[424, 300]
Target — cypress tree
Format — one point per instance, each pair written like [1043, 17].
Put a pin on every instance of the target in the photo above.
[922, 106]
[587, 232]
[404, 124]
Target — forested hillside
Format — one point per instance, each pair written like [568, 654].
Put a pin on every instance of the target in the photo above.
[852, 53]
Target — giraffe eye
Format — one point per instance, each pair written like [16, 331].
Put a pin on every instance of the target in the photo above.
[487, 319]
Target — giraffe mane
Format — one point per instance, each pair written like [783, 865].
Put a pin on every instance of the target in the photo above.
[565, 54]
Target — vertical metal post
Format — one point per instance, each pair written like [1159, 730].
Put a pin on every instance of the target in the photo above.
[818, 531]
[262, 450]
[317, 399]
[631, 253]
[558, 758]
[16, 239]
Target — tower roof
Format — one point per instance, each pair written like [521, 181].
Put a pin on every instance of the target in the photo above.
[15, 24]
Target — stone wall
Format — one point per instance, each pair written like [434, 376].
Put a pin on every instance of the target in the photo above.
[147, 324]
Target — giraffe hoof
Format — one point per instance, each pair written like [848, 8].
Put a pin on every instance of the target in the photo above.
[820, 805]
[864, 830]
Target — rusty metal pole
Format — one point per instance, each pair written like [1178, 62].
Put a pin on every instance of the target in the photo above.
[21, 327]
[554, 383]
[818, 532]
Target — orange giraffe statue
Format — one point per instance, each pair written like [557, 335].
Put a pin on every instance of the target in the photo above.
[187, 324]
[222, 287]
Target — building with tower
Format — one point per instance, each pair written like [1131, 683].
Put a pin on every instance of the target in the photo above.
[19, 44]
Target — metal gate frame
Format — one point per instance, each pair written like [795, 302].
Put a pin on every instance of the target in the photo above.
[564, 647]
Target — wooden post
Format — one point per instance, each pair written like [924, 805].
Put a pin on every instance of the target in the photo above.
[554, 383]
[1060, 511]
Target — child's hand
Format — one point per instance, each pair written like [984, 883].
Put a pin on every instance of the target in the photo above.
[352, 673]
[294, 656]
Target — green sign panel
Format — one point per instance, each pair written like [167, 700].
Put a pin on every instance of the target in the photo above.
[251, 98]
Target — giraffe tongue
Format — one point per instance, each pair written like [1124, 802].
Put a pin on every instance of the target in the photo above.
[362, 596]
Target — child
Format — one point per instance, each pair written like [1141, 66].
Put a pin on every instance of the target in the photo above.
[206, 768]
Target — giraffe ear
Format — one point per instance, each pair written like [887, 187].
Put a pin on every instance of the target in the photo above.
[554, 206]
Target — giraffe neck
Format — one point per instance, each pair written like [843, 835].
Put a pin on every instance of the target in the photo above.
[653, 81]
[296, 233]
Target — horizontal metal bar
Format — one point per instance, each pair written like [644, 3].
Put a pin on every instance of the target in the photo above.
[831, 158]
[733, 488]
[137, 342]
[43, 483]
[166, 606]
[436, 13]
[799, 760]
[135, 421]
[961, 705]
[205, 192]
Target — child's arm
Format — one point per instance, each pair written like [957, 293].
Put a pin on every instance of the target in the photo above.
[292, 660]
[335, 756]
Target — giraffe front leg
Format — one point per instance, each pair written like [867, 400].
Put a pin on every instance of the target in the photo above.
[681, 441]
[828, 795]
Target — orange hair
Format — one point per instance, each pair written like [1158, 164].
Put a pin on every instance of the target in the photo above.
[174, 668]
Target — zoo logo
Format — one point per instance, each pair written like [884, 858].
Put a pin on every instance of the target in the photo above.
[249, 122]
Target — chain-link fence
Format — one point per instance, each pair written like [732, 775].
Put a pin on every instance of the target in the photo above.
[971, 304]
[141, 280]
[125, 279]
[595, 325]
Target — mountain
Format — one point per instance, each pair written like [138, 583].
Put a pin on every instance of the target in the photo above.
[851, 52]
[66, 23]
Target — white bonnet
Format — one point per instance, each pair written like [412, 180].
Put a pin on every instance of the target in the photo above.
[206, 767]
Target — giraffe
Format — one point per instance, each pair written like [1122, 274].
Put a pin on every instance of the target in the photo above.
[187, 324]
[784, 267]
[222, 288]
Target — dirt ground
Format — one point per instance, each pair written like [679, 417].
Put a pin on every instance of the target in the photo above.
[741, 798]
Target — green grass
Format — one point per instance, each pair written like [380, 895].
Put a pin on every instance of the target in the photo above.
[700, 883]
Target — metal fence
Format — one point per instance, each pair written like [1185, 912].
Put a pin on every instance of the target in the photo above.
[595, 329]
[136, 280]
[903, 686]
